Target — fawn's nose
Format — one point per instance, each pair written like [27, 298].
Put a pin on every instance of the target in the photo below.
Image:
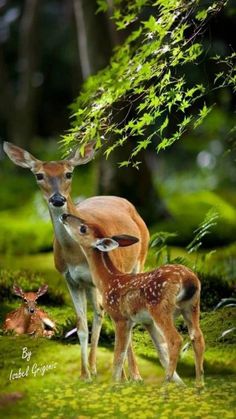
[57, 200]
[64, 217]
[31, 310]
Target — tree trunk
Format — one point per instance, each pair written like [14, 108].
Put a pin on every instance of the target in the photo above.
[27, 64]
[94, 43]
[18, 104]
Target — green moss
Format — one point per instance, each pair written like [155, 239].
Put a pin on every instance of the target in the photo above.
[216, 322]
[59, 393]
[24, 232]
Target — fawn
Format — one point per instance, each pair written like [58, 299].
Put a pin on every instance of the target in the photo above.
[151, 298]
[28, 319]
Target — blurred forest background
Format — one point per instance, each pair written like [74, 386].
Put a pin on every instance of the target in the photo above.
[47, 50]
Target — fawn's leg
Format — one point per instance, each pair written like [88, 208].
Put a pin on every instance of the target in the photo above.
[133, 366]
[191, 316]
[162, 349]
[122, 338]
[173, 339]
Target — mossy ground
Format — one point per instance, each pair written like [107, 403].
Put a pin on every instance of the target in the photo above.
[60, 393]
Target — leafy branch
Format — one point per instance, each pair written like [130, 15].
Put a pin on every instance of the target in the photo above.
[143, 79]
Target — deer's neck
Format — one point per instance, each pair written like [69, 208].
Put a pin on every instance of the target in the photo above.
[59, 230]
[25, 316]
[105, 274]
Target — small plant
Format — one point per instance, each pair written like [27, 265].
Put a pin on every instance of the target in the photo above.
[203, 230]
[226, 302]
[159, 242]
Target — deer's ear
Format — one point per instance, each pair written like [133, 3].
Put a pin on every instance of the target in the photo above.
[19, 156]
[106, 244]
[42, 290]
[125, 240]
[18, 290]
[77, 158]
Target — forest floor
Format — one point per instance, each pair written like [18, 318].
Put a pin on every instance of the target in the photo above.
[52, 388]
[59, 393]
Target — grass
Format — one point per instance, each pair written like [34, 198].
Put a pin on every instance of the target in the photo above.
[60, 393]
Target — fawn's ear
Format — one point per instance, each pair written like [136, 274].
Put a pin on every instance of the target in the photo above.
[125, 240]
[19, 156]
[77, 158]
[106, 244]
[42, 290]
[18, 291]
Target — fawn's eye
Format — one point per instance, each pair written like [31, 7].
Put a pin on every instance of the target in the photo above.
[39, 176]
[68, 175]
[83, 229]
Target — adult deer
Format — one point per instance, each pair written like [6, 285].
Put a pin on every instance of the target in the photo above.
[28, 319]
[113, 213]
[151, 298]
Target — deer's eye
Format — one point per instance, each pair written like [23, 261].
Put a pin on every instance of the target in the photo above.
[83, 229]
[68, 175]
[39, 176]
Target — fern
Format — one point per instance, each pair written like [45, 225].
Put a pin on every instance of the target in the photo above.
[204, 229]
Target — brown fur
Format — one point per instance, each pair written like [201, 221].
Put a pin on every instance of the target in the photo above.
[161, 293]
[115, 214]
[21, 321]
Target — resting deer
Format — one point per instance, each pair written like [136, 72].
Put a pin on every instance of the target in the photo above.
[112, 213]
[28, 319]
[151, 298]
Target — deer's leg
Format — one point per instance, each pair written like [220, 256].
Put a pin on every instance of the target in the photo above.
[98, 314]
[122, 338]
[79, 300]
[191, 316]
[173, 339]
[162, 349]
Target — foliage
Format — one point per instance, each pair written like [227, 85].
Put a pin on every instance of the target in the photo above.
[159, 242]
[189, 209]
[146, 78]
[214, 288]
[24, 234]
[203, 230]
[29, 281]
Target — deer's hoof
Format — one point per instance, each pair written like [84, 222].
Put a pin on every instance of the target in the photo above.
[86, 377]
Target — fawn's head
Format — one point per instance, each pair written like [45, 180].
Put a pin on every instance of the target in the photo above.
[30, 298]
[91, 236]
[53, 177]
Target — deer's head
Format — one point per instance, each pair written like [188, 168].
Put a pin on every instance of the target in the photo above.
[30, 298]
[53, 177]
[91, 236]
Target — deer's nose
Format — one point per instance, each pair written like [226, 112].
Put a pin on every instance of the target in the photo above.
[31, 310]
[57, 200]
